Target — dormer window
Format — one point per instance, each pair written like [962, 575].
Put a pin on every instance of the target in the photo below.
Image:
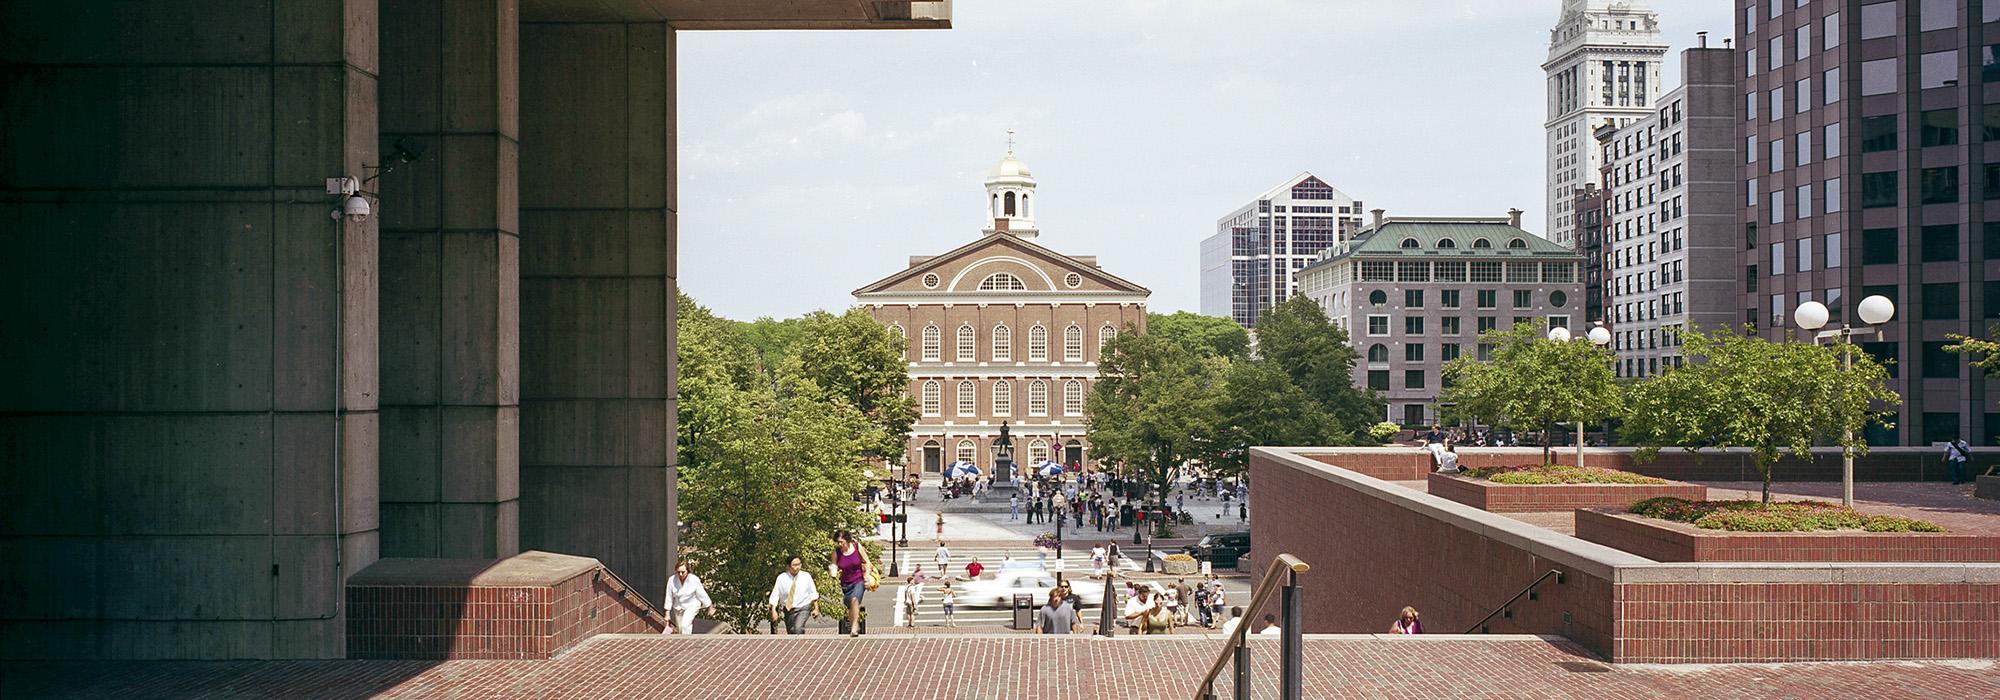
[1001, 282]
[1482, 243]
[1517, 244]
[1445, 243]
[1411, 244]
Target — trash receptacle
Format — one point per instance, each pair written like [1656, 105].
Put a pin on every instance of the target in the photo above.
[1024, 611]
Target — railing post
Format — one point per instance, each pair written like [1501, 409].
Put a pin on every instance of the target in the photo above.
[1242, 670]
[1291, 642]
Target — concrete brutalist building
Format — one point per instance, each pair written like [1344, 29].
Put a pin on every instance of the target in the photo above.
[223, 394]
[1415, 293]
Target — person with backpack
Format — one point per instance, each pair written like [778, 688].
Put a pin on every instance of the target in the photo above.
[1957, 454]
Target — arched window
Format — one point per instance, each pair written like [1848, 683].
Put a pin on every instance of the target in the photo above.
[968, 399]
[1038, 398]
[1038, 451]
[1003, 343]
[1447, 243]
[1073, 343]
[1009, 206]
[966, 338]
[1024, 207]
[1411, 243]
[1073, 398]
[1038, 344]
[1378, 353]
[933, 398]
[1003, 397]
[967, 451]
[996, 205]
[933, 344]
[1517, 244]
[1105, 335]
[1481, 243]
[902, 341]
[1001, 282]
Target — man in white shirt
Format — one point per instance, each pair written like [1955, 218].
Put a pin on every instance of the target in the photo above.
[1270, 625]
[793, 595]
[1957, 454]
[943, 558]
[1235, 618]
[685, 596]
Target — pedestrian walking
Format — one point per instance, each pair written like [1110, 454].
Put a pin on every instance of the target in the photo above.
[950, 601]
[1059, 615]
[1014, 507]
[940, 525]
[1183, 600]
[1097, 561]
[1242, 511]
[685, 596]
[943, 558]
[1957, 454]
[913, 595]
[793, 596]
[1407, 623]
[856, 574]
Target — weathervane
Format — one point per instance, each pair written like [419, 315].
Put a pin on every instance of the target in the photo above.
[1010, 143]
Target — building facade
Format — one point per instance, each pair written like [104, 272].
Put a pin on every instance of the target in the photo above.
[1416, 293]
[1603, 68]
[1250, 264]
[1003, 331]
[1590, 205]
[1669, 239]
[1868, 131]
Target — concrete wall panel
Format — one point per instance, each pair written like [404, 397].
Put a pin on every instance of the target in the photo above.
[574, 84]
[216, 640]
[50, 480]
[202, 127]
[303, 477]
[49, 578]
[412, 452]
[574, 334]
[576, 242]
[300, 562]
[413, 327]
[186, 475]
[303, 305]
[112, 31]
[310, 126]
[186, 578]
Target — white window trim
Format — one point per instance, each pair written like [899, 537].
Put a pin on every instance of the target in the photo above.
[930, 397]
[1370, 328]
[1003, 397]
[967, 398]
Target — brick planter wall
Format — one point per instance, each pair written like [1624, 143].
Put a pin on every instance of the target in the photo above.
[1376, 546]
[1541, 498]
[534, 605]
[1403, 463]
[1661, 540]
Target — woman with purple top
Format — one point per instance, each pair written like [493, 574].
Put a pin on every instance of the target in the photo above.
[854, 569]
[1407, 623]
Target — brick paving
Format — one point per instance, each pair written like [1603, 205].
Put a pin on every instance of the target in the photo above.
[649, 666]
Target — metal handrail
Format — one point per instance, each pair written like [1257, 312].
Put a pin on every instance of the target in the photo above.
[1236, 638]
[651, 610]
[1510, 601]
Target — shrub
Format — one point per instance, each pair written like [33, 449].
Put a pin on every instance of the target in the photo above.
[1384, 430]
[1787, 516]
[1047, 540]
[1559, 474]
[1179, 557]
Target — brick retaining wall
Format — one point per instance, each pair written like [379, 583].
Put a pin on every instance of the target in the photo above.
[1402, 463]
[534, 605]
[1542, 498]
[1376, 547]
[1661, 540]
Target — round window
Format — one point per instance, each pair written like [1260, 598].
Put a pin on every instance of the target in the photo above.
[1378, 297]
[1073, 280]
[931, 281]
[1557, 299]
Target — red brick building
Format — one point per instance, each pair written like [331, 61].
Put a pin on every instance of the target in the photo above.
[1003, 330]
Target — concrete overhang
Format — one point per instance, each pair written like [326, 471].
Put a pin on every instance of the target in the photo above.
[749, 14]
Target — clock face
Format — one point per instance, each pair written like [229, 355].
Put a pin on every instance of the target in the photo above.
[931, 281]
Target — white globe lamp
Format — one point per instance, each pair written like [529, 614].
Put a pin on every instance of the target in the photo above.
[1811, 315]
[1560, 335]
[1876, 310]
[1600, 335]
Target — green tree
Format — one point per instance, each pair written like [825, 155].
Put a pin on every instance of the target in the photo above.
[1205, 336]
[1988, 350]
[1774, 398]
[858, 360]
[770, 465]
[1533, 381]
[1152, 405]
[1297, 337]
[1259, 405]
[770, 338]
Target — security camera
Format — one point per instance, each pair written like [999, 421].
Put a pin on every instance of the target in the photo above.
[355, 209]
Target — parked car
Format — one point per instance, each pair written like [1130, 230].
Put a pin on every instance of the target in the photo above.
[1000, 590]
[1221, 549]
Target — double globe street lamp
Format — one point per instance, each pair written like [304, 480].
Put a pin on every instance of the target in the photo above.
[1812, 316]
[1598, 336]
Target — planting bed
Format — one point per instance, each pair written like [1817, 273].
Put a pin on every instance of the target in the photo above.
[1662, 540]
[1529, 498]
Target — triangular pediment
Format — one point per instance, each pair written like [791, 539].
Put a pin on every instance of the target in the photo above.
[964, 269]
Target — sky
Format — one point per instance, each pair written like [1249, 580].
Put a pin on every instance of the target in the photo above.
[813, 163]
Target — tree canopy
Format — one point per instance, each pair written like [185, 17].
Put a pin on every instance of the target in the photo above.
[1297, 338]
[1152, 405]
[1774, 398]
[1205, 336]
[1531, 381]
[1987, 348]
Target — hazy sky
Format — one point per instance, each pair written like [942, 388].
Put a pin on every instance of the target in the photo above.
[813, 163]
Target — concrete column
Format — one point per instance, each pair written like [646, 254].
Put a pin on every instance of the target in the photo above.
[597, 295]
[187, 411]
[450, 279]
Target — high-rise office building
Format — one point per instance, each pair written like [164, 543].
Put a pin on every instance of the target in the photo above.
[1669, 238]
[1868, 129]
[1247, 266]
[1603, 68]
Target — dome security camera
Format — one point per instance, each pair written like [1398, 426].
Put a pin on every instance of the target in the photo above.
[356, 209]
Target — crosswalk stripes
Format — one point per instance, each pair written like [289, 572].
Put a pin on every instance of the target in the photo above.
[1072, 562]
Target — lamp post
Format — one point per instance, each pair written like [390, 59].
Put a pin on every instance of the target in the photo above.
[1811, 316]
[1598, 336]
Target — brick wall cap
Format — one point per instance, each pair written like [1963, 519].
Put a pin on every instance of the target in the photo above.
[1807, 572]
[530, 568]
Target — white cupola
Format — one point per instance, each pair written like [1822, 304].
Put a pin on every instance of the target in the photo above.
[1010, 190]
